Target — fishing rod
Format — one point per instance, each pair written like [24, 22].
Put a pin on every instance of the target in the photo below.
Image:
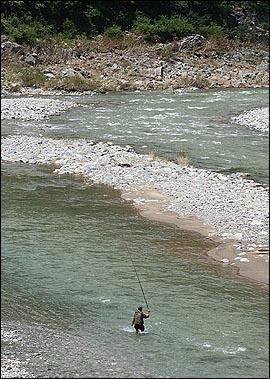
[139, 281]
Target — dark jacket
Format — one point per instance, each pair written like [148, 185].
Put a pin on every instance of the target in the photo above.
[138, 317]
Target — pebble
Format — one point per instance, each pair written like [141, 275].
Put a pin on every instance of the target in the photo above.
[32, 109]
[12, 368]
[257, 119]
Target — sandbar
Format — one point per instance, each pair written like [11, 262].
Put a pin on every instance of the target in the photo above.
[249, 262]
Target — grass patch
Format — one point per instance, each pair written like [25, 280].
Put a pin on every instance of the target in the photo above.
[188, 82]
[18, 75]
[168, 52]
[183, 158]
[73, 84]
[32, 77]
[153, 154]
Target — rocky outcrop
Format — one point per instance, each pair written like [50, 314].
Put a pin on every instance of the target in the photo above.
[191, 62]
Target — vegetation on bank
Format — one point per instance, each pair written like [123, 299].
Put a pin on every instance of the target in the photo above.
[55, 33]
[28, 22]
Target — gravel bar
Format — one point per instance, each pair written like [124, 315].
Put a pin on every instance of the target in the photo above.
[237, 208]
[32, 109]
[257, 119]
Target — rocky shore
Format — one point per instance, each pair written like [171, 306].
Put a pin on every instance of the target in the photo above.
[131, 64]
[32, 109]
[256, 119]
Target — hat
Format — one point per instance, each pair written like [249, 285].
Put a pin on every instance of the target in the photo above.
[140, 308]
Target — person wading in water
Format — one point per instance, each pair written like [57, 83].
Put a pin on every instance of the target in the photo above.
[137, 319]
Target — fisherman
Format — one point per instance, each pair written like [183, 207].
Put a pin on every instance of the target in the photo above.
[137, 319]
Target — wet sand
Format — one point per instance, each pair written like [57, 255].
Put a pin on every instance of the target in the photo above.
[250, 262]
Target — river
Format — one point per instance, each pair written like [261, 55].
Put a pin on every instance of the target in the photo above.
[68, 285]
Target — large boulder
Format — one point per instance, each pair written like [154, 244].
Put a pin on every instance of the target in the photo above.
[11, 47]
[193, 41]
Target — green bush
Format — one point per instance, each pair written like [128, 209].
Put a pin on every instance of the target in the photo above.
[142, 24]
[8, 24]
[73, 83]
[172, 27]
[244, 33]
[29, 33]
[165, 29]
[26, 20]
[31, 77]
[212, 30]
[113, 31]
[24, 34]
[22, 76]
[69, 29]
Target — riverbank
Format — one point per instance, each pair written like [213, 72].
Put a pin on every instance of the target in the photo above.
[230, 209]
[246, 259]
[134, 65]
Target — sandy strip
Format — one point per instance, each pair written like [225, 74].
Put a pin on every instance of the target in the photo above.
[249, 263]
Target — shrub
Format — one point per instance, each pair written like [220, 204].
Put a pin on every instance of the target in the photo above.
[142, 24]
[114, 32]
[183, 158]
[168, 52]
[20, 75]
[29, 33]
[164, 29]
[31, 77]
[153, 154]
[212, 30]
[173, 27]
[73, 84]
[24, 34]
[69, 29]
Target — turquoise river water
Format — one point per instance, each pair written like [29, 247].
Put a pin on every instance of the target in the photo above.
[68, 287]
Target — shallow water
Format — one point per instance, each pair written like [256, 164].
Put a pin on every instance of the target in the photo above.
[69, 288]
[197, 122]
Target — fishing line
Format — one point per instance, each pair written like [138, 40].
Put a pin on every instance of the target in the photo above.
[139, 281]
